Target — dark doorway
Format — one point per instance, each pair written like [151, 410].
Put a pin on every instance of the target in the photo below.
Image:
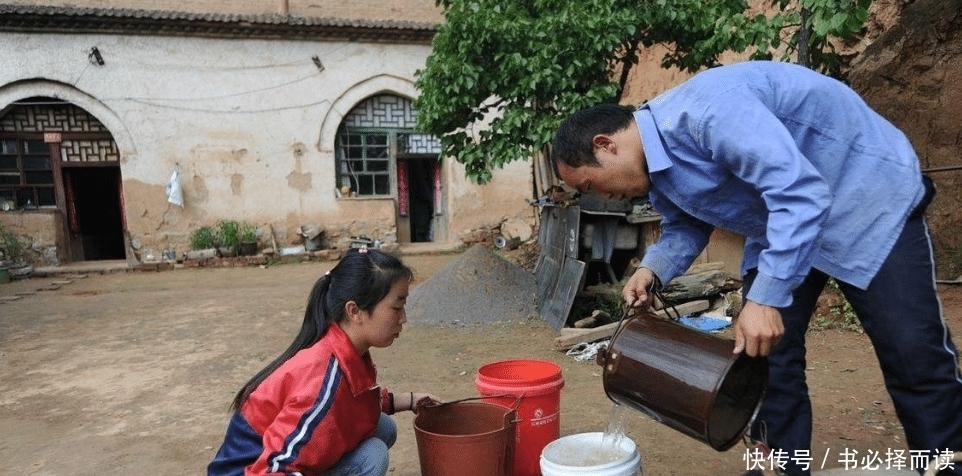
[421, 198]
[94, 206]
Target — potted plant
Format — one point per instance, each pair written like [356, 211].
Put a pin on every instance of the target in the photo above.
[203, 238]
[203, 243]
[248, 239]
[229, 234]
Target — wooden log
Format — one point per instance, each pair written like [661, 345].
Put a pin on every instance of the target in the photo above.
[699, 285]
[202, 254]
[701, 281]
[571, 337]
[270, 227]
[597, 318]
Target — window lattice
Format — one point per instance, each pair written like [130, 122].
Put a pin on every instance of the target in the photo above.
[383, 112]
[104, 150]
[41, 118]
[418, 143]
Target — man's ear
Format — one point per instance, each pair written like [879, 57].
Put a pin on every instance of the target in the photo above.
[603, 142]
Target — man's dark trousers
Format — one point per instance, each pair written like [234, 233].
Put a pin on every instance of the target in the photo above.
[902, 315]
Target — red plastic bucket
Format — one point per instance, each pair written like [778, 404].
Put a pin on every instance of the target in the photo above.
[535, 387]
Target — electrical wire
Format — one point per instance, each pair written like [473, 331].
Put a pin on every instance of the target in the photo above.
[224, 96]
[229, 111]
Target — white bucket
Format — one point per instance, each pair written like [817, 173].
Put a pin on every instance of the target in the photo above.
[582, 454]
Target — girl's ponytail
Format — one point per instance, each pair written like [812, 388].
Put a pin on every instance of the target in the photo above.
[363, 276]
[317, 319]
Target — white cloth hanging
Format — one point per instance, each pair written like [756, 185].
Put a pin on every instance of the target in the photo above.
[175, 194]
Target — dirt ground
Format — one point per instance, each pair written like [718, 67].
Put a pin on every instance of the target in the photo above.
[133, 372]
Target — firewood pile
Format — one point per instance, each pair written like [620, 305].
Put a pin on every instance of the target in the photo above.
[705, 290]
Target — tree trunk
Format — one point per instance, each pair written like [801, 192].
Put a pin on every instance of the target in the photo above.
[804, 34]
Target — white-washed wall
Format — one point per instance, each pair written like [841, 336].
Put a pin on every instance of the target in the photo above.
[249, 125]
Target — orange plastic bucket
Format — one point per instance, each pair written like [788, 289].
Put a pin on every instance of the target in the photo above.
[535, 387]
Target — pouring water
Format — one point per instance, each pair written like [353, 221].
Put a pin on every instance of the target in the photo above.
[615, 431]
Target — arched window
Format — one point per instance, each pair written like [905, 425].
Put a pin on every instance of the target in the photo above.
[26, 158]
[368, 144]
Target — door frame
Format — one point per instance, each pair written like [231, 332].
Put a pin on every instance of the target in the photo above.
[404, 221]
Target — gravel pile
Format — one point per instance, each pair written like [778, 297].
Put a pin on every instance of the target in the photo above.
[477, 287]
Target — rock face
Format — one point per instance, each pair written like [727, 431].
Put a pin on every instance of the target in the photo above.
[912, 75]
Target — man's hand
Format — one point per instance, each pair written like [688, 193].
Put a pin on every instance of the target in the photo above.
[757, 329]
[636, 291]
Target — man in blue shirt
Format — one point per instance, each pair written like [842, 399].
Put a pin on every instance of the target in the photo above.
[820, 186]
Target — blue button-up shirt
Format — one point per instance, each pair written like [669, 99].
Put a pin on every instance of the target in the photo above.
[793, 160]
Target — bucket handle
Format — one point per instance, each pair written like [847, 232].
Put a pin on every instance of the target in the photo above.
[653, 290]
[517, 400]
[514, 408]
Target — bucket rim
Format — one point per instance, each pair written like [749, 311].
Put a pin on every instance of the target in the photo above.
[493, 391]
[630, 454]
[726, 445]
[545, 372]
[507, 422]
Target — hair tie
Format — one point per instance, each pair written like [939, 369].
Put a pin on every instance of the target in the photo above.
[362, 249]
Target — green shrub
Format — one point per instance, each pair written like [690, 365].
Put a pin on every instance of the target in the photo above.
[248, 232]
[13, 246]
[203, 238]
[229, 234]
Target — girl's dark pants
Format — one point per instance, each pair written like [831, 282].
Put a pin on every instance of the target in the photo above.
[902, 315]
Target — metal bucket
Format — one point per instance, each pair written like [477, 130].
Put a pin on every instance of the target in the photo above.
[684, 378]
[474, 438]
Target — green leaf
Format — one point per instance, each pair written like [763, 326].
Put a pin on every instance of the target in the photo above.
[532, 62]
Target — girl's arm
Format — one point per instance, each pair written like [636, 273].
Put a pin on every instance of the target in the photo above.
[393, 402]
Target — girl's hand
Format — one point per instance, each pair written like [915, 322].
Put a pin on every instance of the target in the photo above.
[420, 400]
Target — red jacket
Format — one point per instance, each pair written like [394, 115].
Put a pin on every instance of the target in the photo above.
[304, 417]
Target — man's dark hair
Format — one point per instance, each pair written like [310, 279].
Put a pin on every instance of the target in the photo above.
[572, 144]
